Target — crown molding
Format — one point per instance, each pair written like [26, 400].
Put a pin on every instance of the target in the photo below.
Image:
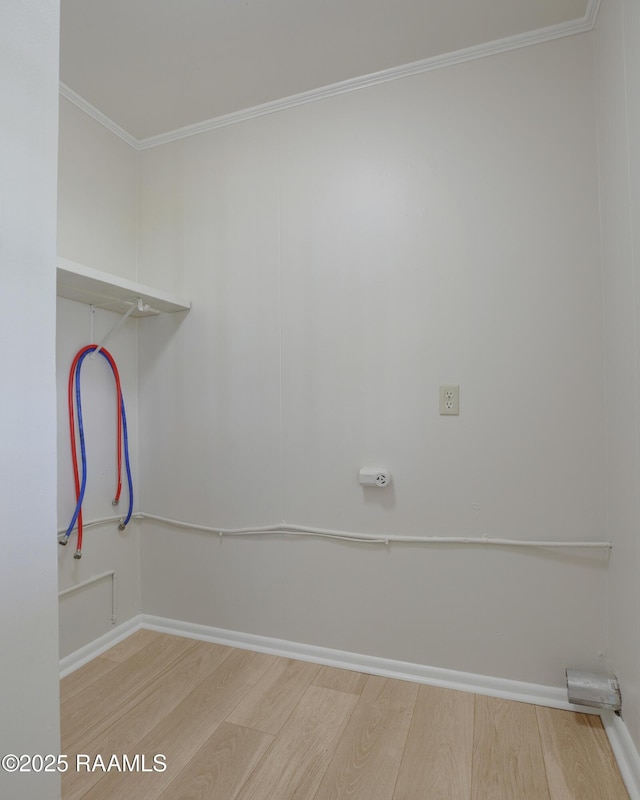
[591, 13]
[562, 30]
[98, 116]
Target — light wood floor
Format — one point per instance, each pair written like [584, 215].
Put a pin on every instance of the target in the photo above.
[238, 725]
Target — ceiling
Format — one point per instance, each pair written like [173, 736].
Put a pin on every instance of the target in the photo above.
[153, 66]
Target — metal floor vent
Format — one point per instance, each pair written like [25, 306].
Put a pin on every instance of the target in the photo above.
[595, 689]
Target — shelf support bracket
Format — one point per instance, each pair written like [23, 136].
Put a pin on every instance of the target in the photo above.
[138, 305]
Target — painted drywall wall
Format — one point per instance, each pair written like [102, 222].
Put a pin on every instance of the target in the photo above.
[618, 83]
[345, 258]
[28, 142]
[97, 227]
[97, 195]
[86, 613]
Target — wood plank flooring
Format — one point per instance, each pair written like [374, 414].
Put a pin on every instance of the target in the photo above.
[237, 725]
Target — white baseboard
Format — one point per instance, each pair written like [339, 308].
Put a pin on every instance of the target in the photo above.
[373, 665]
[621, 743]
[75, 660]
[625, 752]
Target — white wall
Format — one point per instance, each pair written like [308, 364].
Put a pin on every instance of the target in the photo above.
[86, 614]
[97, 197]
[618, 81]
[345, 258]
[28, 140]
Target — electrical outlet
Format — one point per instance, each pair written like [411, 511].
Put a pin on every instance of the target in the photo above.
[449, 400]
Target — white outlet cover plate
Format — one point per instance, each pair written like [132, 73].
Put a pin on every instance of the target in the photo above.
[449, 400]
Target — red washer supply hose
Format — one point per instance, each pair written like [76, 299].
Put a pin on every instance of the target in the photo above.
[72, 432]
